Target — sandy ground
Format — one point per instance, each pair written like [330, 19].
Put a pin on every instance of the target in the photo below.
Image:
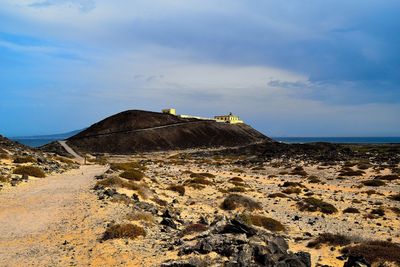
[52, 221]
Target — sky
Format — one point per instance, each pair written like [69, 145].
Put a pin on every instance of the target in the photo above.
[286, 67]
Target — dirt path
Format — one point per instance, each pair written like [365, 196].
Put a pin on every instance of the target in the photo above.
[54, 221]
[71, 151]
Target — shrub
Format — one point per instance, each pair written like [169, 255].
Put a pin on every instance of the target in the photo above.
[263, 221]
[25, 159]
[346, 171]
[364, 166]
[201, 180]
[313, 204]
[202, 175]
[233, 201]
[374, 183]
[375, 251]
[378, 211]
[4, 179]
[141, 216]
[177, 188]
[291, 190]
[389, 177]
[142, 189]
[237, 189]
[133, 175]
[125, 166]
[123, 231]
[236, 179]
[299, 170]
[330, 239]
[237, 170]
[30, 171]
[194, 228]
[64, 160]
[313, 179]
[280, 195]
[395, 197]
[291, 184]
[351, 210]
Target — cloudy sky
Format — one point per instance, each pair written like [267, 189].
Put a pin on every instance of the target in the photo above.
[287, 67]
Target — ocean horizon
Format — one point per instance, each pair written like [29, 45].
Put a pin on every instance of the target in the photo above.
[37, 142]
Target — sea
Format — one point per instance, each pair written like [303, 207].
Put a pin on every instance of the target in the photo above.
[339, 140]
[37, 142]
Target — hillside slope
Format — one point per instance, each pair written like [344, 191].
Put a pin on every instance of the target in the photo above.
[142, 131]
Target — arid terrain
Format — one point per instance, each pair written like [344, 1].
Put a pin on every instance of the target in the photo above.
[212, 207]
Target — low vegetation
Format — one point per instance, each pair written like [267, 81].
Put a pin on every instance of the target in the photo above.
[263, 221]
[130, 231]
[374, 182]
[329, 239]
[395, 197]
[313, 204]
[375, 251]
[141, 216]
[389, 177]
[194, 228]
[64, 160]
[132, 174]
[30, 171]
[299, 170]
[351, 210]
[25, 159]
[234, 201]
[347, 171]
[125, 166]
[180, 189]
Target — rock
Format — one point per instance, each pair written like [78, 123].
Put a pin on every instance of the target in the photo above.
[168, 222]
[245, 246]
[356, 261]
[110, 192]
[145, 206]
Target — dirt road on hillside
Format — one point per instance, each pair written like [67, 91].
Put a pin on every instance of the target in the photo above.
[54, 221]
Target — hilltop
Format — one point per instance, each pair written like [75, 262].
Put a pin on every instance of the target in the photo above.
[144, 131]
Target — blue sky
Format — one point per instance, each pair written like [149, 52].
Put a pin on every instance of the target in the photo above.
[287, 67]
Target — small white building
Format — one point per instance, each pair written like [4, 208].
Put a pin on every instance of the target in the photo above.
[228, 119]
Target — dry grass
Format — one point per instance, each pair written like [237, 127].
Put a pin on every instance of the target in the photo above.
[299, 170]
[64, 160]
[291, 190]
[30, 171]
[141, 216]
[263, 221]
[194, 228]
[134, 175]
[123, 231]
[374, 183]
[312, 204]
[177, 188]
[280, 195]
[25, 159]
[375, 251]
[389, 177]
[202, 175]
[329, 239]
[4, 179]
[395, 197]
[347, 171]
[351, 210]
[237, 189]
[234, 201]
[125, 166]
[142, 189]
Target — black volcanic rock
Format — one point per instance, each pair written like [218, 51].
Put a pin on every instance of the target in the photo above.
[143, 131]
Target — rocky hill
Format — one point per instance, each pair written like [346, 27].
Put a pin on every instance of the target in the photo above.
[143, 131]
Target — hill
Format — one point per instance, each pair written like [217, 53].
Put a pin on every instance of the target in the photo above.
[143, 131]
